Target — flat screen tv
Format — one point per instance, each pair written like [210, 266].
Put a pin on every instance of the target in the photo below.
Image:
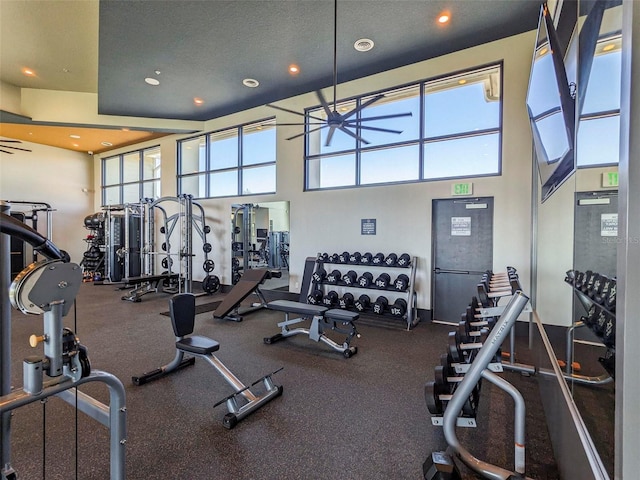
[551, 109]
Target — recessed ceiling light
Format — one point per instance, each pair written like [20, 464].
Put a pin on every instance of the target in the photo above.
[250, 82]
[152, 81]
[106, 144]
[198, 101]
[363, 45]
[75, 145]
[294, 69]
[444, 17]
[157, 72]
[125, 129]
[74, 136]
[28, 72]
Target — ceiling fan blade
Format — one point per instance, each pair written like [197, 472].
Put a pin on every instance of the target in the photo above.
[11, 141]
[293, 111]
[6, 151]
[330, 135]
[362, 105]
[16, 148]
[307, 132]
[382, 117]
[349, 132]
[292, 124]
[324, 103]
[377, 129]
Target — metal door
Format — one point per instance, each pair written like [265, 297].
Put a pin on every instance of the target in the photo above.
[462, 251]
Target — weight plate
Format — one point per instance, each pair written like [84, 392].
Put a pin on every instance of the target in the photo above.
[208, 266]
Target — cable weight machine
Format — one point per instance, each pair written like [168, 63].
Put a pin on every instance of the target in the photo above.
[49, 288]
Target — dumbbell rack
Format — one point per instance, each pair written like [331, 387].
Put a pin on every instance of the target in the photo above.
[601, 319]
[409, 294]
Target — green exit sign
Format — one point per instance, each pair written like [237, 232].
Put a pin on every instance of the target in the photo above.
[610, 179]
[462, 189]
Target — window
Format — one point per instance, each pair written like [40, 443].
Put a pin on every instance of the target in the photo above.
[598, 140]
[231, 162]
[129, 177]
[453, 128]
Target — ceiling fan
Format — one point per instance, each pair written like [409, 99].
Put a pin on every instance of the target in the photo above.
[3, 146]
[347, 122]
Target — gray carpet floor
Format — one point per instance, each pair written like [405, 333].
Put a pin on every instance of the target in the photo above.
[358, 418]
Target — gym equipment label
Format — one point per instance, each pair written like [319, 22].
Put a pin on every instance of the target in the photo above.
[609, 225]
[460, 226]
[368, 226]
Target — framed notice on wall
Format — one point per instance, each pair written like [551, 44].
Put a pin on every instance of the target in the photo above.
[368, 226]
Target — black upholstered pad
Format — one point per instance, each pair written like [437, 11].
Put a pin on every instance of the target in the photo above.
[341, 315]
[197, 344]
[182, 308]
[296, 307]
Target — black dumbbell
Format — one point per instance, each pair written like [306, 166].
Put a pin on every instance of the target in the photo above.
[343, 257]
[580, 279]
[350, 278]
[598, 326]
[404, 260]
[355, 258]
[334, 277]
[380, 305]
[588, 282]
[363, 303]
[596, 285]
[365, 280]
[323, 257]
[391, 260]
[378, 259]
[335, 258]
[235, 277]
[610, 300]
[347, 300]
[401, 283]
[432, 392]
[315, 298]
[366, 259]
[382, 282]
[319, 275]
[604, 290]
[609, 332]
[570, 277]
[331, 299]
[399, 308]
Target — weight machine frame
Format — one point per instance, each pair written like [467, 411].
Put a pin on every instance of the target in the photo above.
[65, 378]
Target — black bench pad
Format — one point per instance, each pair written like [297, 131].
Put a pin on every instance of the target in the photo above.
[296, 307]
[341, 315]
[197, 344]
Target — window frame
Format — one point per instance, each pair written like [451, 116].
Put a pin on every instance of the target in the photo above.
[121, 184]
[420, 141]
[239, 167]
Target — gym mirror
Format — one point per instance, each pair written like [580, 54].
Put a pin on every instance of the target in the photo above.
[260, 239]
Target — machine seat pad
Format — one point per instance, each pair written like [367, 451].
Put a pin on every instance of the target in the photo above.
[198, 345]
[341, 315]
[299, 308]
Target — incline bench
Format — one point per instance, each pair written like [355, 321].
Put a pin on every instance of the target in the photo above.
[321, 318]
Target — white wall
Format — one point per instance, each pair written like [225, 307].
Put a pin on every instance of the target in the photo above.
[57, 177]
[330, 220]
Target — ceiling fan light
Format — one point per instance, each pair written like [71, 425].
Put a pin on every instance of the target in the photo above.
[152, 81]
[363, 45]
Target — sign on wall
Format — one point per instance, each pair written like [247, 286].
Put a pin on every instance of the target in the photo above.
[609, 225]
[368, 226]
[460, 226]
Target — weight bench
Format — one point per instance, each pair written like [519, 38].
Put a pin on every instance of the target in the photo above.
[182, 308]
[322, 318]
[146, 284]
[249, 283]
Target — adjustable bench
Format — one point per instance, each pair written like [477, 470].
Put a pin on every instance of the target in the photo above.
[249, 283]
[243, 401]
[322, 318]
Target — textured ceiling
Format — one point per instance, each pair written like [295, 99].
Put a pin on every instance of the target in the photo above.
[206, 48]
